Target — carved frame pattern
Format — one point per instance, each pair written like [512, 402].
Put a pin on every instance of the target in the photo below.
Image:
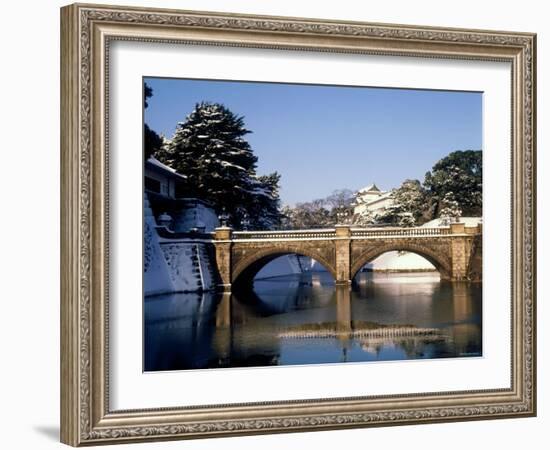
[86, 32]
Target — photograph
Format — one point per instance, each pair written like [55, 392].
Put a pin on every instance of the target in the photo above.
[299, 224]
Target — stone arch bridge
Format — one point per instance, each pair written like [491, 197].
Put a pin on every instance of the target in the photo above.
[455, 251]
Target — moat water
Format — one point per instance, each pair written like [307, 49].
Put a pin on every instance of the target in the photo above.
[306, 319]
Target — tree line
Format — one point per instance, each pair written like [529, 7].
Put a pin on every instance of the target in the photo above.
[209, 148]
[453, 188]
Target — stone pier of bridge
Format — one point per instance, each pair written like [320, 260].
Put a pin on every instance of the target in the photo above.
[342, 248]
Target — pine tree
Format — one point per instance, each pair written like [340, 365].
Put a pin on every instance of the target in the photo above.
[410, 199]
[460, 174]
[210, 149]
[450, 209]
[365, 218]
[266, 203]
[152, 142]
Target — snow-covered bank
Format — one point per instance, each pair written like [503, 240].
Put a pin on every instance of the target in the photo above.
[189, 265]
[400, 262]
[285, 265]
[467, 221]
[171, 266]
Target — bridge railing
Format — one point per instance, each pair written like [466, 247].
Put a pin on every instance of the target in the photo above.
[397, 232]
[328, 233]
[353, 233]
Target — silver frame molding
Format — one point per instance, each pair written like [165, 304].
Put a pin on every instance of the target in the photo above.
[86, 31]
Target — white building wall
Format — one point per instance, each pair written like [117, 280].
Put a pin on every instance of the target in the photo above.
[198, 216]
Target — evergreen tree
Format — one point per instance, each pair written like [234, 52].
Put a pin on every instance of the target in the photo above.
[266, 204]
[450, 210]
[410, 199]
[365, 218]
[460, 175]
[152, 142]
[394, 216]
[210, 149]
[147, 93]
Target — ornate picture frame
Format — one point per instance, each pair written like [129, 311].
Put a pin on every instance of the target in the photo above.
[87, 31]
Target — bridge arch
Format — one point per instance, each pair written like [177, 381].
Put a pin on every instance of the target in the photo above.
[246, 269]
[439, 261]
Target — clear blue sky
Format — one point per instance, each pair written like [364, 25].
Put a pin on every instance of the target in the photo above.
[322, 138]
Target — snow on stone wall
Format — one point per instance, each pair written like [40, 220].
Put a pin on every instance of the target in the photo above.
[174, 266]
[189, 266]
[155, 270]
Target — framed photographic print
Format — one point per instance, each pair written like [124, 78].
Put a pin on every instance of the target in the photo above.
[276, 224]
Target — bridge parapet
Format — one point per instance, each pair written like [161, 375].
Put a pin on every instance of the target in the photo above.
[354, 233]
[286, 235]
[397, 232]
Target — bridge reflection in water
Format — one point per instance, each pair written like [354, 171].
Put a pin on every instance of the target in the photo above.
[307, 319]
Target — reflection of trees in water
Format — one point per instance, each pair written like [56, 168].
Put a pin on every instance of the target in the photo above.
[178, 330]
[183, 306]
[413, 348]
[467, 339]
[246, 328]
[197, 331]
[276, 296]
[421, 347]
[239, 339]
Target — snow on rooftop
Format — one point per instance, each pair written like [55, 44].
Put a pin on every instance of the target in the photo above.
[382, 197]
[155, 162]
[359, 200]
[370, 188]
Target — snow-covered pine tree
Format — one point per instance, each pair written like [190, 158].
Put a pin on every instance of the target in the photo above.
[459, 173]
[364, 219]
[152, 142]
[265, 207]
[410, 199]
[450, 209]
[210, 149]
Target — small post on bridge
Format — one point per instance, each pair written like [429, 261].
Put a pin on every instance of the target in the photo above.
[222, 243]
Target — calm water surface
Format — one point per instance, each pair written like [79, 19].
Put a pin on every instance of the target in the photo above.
[306, 319]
